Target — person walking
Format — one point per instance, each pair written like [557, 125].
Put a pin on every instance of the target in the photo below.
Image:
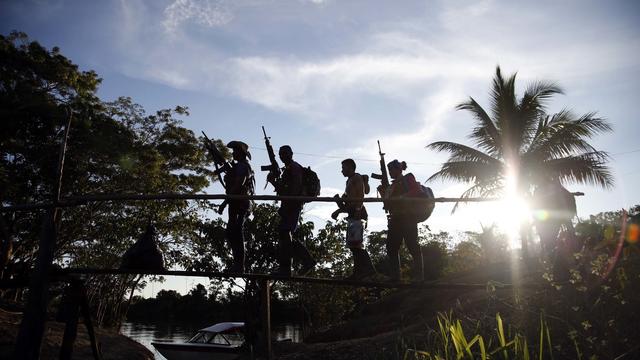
[240, 180]
[290, 183]
[356, 187]
[402, 223]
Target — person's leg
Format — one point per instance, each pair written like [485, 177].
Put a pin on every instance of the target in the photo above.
[410, 234]
[284, 252]
[362, 266]
[235, 237]
[297, 249]
[285, 246]
[394, 238]
[301, 253]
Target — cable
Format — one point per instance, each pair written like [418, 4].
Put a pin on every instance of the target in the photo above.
[626, 152]
[343, 157]
[412, 163]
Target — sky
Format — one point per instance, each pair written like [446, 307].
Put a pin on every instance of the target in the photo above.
[330, 77]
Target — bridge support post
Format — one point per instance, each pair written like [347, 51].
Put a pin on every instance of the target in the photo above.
[32, 326]
[265, 319]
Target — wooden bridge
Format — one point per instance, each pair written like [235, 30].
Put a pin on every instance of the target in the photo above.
[32, 327]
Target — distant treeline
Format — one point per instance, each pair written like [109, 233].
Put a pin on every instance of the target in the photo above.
[202, 307]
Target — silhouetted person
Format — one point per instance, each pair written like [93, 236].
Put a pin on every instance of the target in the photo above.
[144, 254]
[402, 224]
[240, 181]
[356, 216]
[554, 208]
[290, 183]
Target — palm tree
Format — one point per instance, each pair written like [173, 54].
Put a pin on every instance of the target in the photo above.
[519, 146]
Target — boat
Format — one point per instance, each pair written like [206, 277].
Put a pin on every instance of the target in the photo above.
[222, 341]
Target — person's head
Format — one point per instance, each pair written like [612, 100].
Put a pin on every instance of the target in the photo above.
[286, 154]
[348, 167]
[395, 168]
[240, 150]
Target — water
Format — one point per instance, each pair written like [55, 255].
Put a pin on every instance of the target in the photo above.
[146, 333]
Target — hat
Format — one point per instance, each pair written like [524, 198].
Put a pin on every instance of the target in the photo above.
[240, 146]
[394, 164]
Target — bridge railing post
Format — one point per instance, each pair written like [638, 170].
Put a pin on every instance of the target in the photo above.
[265, 318]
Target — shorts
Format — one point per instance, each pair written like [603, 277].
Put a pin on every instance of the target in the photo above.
[355, 234]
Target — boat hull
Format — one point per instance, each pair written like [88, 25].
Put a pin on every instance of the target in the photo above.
[187, 351]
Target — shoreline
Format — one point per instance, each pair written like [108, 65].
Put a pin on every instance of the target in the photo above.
[113, 346]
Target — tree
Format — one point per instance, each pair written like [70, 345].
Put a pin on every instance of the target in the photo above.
[518, 145]
[113, 147]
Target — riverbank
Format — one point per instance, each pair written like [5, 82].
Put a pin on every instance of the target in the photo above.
[113, 346]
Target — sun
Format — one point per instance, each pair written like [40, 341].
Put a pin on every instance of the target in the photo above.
[511, 212]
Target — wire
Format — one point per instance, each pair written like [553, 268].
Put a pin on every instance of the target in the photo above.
[412, 163]
[626, 152]
[343, 157]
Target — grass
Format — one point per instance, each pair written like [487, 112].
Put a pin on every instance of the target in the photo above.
[452, 343]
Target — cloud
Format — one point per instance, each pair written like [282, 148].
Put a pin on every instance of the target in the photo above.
[208, 13]
[424, 69]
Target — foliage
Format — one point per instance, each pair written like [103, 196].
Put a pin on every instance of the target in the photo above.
[114, 147]
[590, 316]
[449, 341]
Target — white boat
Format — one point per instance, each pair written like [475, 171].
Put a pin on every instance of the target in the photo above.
[221, 341]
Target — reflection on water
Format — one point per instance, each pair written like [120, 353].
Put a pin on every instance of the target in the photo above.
[146, 333]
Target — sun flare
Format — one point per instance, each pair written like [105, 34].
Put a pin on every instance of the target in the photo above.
[511, 212]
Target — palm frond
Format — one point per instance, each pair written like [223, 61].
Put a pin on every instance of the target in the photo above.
[565, 135]
[467, 171]
[481, 189]
[485, 135]
[461, 152]
[532, 107]
[538, 92]
[505, 111]
[587, 168]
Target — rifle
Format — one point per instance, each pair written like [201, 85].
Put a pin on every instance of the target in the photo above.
[383, 176]
[273, 168]
[220, 163]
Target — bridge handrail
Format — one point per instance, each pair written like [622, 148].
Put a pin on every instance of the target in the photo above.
[72, 201]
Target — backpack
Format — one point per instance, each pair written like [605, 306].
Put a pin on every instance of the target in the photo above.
[310, 182]
[425, 209]
[421, 210]
[365, 180]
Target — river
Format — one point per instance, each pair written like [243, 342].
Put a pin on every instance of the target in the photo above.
[146, 333]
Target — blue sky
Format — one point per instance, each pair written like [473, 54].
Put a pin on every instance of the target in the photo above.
[331, 77]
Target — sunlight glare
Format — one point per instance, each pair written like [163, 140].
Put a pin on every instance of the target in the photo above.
[512, 211]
